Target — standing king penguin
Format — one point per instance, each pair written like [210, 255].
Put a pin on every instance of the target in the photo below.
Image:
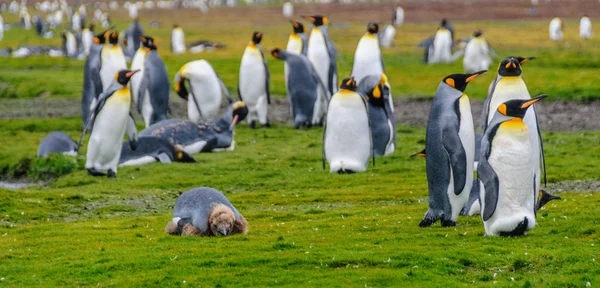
[297, 43]
[585, 28]
[367, 58]
[150, 88]
[507, 181]
[87, 39]
[92, 83]
[205, 88]
[381, 113]
[508, 86]
[109, 122]
[303, 85]
[112, 60]
[477, 54]
[555, 29]
[347, 142]
[450, 146]
[322, 54]
[177, 40]
[253, 86]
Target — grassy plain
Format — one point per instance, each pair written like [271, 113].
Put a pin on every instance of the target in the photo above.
[307, 227]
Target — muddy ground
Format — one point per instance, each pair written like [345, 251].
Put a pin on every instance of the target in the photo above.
[553, 115]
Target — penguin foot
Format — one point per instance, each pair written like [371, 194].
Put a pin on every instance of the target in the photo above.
[267, 125]
[518, 231]
[111, 174]
[344, 171]
[448, 223]
[252, 124]
[426, 222]
[94, 172]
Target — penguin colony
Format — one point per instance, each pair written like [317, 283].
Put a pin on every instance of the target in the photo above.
[357, 115]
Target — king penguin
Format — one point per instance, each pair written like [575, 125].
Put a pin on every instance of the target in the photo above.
[441, 49]
[132, 38]
[585, 28]
[113, 60]
[253, 87]
[87, 39]
[555, 29]
[109, 122]
[477, 53]
[205, 88]
[376, 89]
[303, 86]
[347, 143]
[508, 86]
[322, 54]
[69, 44]
[177, 40]
[297, 41]
[150, 88]
[92, 83]
[507, 181]
[153, 149]
[367, 58]
[450, 146]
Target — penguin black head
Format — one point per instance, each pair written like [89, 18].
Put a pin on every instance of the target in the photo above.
[277, 54]
[240, 111]
[181, 156]
[175, 26]
[124, 76]
[257, 37]
[298, 27]
[510, 66]
[92, 28]
[317, 20]
[375, 96]
[114, 38]
[373, 28]
[444, 22]
[477, 33]
[148, 42]
[101, 38]
[518, 107]
[348, 84]
[179, 85]
[460, 81]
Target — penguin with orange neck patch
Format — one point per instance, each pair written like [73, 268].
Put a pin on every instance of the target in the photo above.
[367, 58]
[253, 85]
[92, 83]
[150, 87]
[508, 192]
[450, 146]
[110, 120]
[347, 144]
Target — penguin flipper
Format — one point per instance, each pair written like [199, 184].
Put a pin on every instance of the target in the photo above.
[163, 158]
[458, 157]
[132, 133]
[323, 155]
[267, 77]
[487, 175]
[486, 105]
[142, 91]
[542, 156]
[224, 89]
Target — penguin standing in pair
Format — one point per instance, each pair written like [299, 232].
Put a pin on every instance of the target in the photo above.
[92, 83]
[450, 146]
[177, 40]
[376, 89]
[303, 87]
[254, 82]
[112, 60]
[322, 54]
[150, 88]
[110, 120]
[347, 144]
[507, 193]
[367, 58]
[477, 53]
[199, 80]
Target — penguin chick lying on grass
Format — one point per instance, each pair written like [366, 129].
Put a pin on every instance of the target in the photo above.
[153, 149]
[57, 142]
[205, 212]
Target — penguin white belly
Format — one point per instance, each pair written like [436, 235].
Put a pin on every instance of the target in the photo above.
[442, 43]
[294, 44]
[367, 59]
[585, 28]
[194, 148]
[466, 133]
[147, 109]
[139, 161]
[113, 60]
[253, 83]
[206, 91]
[555, 30]
[476, 56]
[177, 41]
[387, 38]
[511, 160]
[136, 79]
[71, 45]
[104, 149]
[507, 88]
[319, 57]
[86, 40]
[347, 142]
[536, 147]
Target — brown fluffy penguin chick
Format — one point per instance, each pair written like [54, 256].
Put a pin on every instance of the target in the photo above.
[205, 212]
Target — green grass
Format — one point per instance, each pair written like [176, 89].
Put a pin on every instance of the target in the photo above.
[306, 226]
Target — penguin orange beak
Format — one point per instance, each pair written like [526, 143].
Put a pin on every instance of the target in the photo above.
[129, 74]
[234, 122]
[533, 101]
[309, 18]
[275, 54]
[294, 23]
[474, 75]
[143, 39]
[526, 59]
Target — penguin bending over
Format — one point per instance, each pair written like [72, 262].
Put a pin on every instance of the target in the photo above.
[153, 149]
[150, 88]
[205, 211]
[196, 137]
[254, 82]
[92, 83]
[450, 146]
[347, 143]
[303, 85]
[205, 88]
[57, 142]
[321, 53]
[112, 60]
[507, 191]
[367, 58]
[109, 122]
[376, 89]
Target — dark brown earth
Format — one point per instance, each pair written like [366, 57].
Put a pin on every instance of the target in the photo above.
[553, 115]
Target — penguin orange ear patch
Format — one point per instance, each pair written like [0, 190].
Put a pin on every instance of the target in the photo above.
[377, 92]
[502, 109]
[507, 65]
[96, 40]
[450, 82]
